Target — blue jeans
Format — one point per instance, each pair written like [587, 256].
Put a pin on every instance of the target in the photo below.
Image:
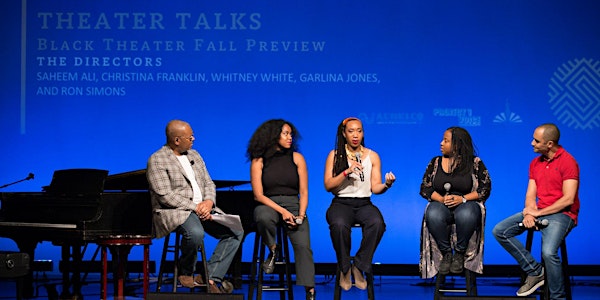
[559, 226]
[440, 218]
[192, 232]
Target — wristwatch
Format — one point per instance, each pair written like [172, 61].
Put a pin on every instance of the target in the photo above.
[464, 199]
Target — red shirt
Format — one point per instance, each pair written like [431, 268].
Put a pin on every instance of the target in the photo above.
[549, 175]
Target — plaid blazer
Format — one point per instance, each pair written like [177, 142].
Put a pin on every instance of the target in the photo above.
[171, 191]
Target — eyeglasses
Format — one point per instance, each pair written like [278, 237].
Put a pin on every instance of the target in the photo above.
[190, 138]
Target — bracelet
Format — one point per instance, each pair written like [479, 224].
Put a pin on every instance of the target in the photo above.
[344, 173]
[387, 186]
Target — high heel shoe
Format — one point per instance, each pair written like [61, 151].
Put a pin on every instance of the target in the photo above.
[359, 278]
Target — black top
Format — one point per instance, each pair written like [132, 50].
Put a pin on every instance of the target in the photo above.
[280, 175]
[460, 184]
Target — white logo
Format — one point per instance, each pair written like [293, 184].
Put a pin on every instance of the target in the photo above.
[507, 116]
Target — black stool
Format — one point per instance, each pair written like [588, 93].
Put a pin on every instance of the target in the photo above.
[544, 292]
[285, 277]
[175, 250]
[442, 286]
[470, 288]
[337, 293]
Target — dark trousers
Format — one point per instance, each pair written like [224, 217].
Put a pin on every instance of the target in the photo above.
[342, 214]
[267, 220]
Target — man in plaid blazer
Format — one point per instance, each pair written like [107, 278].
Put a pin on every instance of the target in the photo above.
[183, 197]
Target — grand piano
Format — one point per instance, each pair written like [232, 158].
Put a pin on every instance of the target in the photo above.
[82, 205]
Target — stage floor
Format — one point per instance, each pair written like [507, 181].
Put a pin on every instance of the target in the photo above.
[386, 288]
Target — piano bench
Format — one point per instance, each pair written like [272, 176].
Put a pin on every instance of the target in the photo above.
[120, 246]
[42, 265]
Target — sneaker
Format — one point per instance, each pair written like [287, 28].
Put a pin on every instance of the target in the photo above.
[359, 278]
[531, 284]
[345, 281]
[458, 261]
[269, 264]
[445, 263]
[187, 281]
[213, 288]
[226, 287]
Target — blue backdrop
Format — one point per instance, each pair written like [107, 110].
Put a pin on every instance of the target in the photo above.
[91, 84]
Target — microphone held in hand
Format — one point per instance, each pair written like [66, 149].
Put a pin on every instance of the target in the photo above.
[361, 174]
[447, 187]
[538, 223]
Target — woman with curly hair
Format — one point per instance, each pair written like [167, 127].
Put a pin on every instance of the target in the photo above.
[279, 179]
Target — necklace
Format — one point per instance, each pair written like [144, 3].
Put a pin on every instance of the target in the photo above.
[352, 155]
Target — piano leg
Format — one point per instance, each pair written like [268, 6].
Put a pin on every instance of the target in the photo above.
[71, 257]
[27, 246]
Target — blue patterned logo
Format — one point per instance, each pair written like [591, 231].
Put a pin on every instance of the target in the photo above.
[575, 94]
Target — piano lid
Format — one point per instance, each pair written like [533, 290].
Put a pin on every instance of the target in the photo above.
[136, 180]
[77, 182]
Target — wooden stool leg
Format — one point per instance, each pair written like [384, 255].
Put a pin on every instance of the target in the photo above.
[146, 269]
[103, 292]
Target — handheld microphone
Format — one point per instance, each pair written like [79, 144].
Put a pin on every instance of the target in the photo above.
[361, 174]
[299, 221]
[30, 176]
[447, 187]
[538, 223]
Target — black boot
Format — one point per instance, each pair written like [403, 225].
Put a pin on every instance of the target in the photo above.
[445, 263]
[458, 261]
[269, 264]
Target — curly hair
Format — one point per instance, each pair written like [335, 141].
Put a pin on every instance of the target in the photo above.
[265, 139]
[340, 161]
[463, 149]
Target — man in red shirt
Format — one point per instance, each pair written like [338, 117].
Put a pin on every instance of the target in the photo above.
[552, 198]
